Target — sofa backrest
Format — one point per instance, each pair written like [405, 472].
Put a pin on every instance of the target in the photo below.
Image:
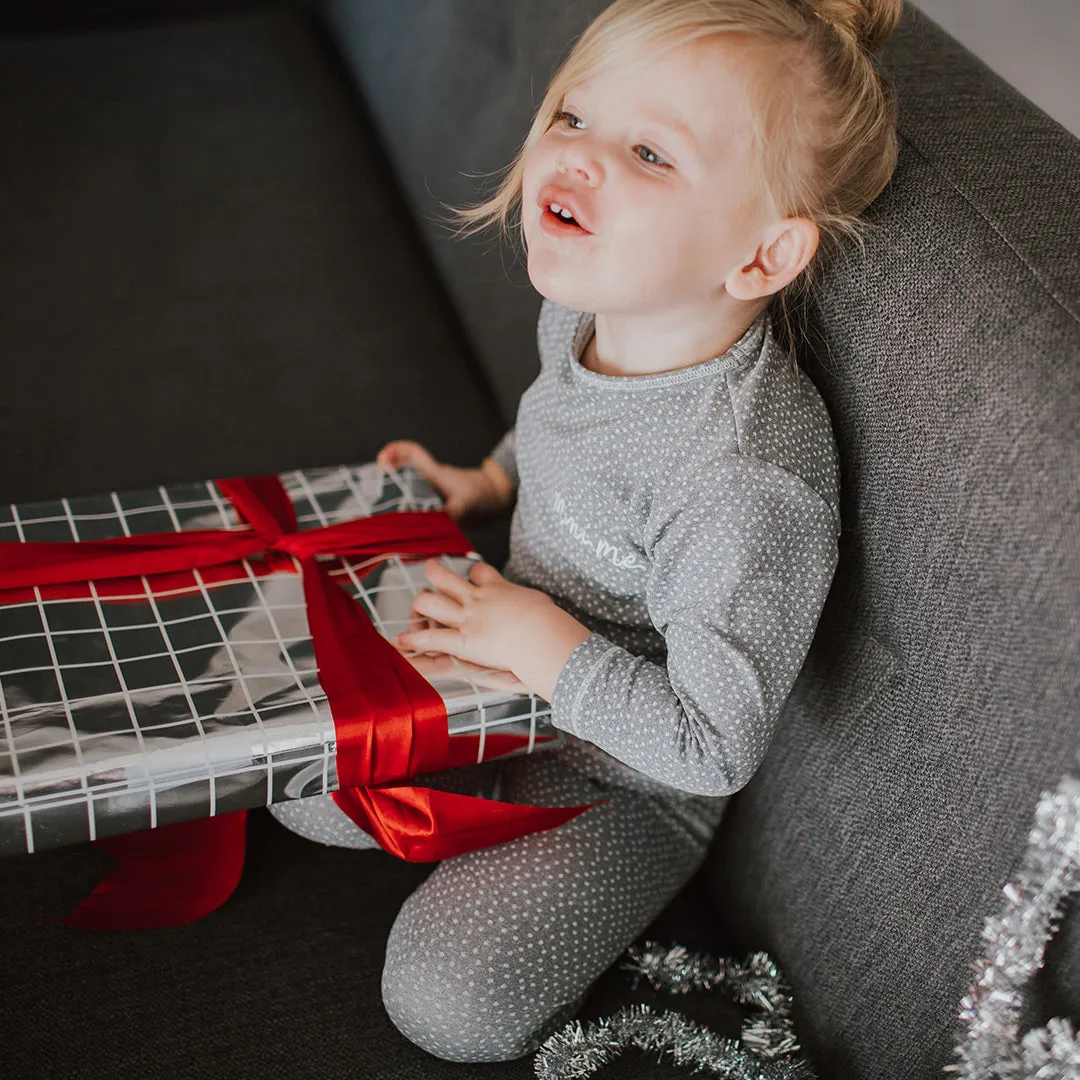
[453, 86]
[204, 270]
[942, 692]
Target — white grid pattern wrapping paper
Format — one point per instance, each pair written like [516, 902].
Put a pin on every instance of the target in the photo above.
[123, 713]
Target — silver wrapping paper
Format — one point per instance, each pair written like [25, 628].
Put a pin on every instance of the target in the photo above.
[162, 705]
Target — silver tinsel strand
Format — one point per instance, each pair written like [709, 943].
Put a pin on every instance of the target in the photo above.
[755, 982]
[767, 1039]
[1016, 939]
[991, 1047]
[577, 1052]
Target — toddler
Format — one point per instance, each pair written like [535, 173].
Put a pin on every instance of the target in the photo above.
[676, 481]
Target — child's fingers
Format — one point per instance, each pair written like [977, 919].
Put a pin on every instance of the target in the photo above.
[483, 573]
[435, 640]
[406, 452]
[438, 607]
[440, 666]
[447, 581]
[386, 458]
[403, 452]
[455, 507]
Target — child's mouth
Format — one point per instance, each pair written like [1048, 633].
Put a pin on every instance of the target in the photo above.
[555, 225]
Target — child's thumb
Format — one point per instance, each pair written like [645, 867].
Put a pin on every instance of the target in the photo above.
[405, 452]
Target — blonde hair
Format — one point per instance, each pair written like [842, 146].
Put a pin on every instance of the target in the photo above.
[824, 141]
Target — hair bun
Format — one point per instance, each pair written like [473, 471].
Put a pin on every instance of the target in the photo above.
[869, 23]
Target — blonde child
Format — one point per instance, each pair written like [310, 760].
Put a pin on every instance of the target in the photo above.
[676, 481]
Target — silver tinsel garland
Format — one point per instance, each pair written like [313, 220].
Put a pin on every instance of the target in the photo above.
[991, 1047]
[767, 1039]
[756, 982]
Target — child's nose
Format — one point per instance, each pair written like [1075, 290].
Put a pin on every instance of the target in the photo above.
[581, 163]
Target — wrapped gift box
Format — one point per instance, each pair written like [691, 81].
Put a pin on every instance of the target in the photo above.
[127, 710]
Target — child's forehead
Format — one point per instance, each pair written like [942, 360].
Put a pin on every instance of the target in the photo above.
[687, 70]
[695, 84]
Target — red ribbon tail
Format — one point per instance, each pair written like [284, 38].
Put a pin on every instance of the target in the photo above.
[167, 876]
[423, 825]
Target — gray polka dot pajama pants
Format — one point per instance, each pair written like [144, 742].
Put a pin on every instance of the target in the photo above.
[496, 949]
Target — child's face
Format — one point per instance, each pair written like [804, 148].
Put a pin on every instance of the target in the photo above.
[653, 158]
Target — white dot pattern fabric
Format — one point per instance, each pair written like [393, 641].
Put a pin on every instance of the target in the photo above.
[689, 519]
[320, 819]
[498, 948]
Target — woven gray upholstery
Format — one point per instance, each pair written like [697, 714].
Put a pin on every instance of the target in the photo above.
[453, 87]
[206, 268]
[941, 694]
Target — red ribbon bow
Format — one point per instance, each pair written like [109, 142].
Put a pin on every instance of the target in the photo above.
[389, 722]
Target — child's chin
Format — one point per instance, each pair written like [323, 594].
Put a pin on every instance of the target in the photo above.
[560, 292]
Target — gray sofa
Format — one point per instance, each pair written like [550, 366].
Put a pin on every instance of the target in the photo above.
[221, 254]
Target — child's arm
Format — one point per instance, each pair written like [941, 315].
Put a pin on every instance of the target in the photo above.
[742, 554]
[464, 491]
[737, 582]
[504, 457]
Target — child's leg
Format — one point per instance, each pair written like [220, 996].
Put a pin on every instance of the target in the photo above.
[497, 948]
[319, 818]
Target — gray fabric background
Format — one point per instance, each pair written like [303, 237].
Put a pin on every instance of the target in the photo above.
[941, 694]
[943, 691]
[453, 88]
[207, 209]
[207, 268]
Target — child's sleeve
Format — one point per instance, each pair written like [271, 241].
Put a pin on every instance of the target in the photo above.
[738, 577]
[505, 453]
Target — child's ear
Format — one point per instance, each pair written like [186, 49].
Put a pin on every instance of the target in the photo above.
[784, 252]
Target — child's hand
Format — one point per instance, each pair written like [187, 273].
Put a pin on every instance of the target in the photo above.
[463, 490]
[494, 623]
[483, 618]
[441, 666]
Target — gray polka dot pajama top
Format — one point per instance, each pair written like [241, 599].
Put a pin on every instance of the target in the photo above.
[690, 520]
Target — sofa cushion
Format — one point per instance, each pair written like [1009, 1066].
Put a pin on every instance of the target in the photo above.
[206, 267]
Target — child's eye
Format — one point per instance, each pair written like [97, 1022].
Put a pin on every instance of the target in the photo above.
[650, 157]
[655, 159]
[569, 117]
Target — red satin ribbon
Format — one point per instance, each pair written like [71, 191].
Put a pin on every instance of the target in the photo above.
[167, 876]
[390, 723]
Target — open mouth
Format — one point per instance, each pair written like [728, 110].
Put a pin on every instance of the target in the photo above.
[562, 213]
[558, 219]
